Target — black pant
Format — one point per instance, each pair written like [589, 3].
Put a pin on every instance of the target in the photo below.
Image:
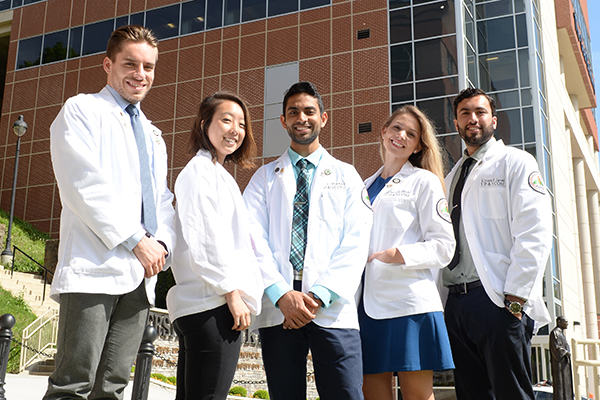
[491, 348]
[208, 354]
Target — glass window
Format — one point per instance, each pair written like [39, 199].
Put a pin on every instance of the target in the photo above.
[400, 29]
[192, 16]
[29, 53]
[214, 14]
[55, 46]
[451, 149]
[435, 58]
[75, 42]
[95, 36]
[528, 125]
[441, 113]
[305, 4]
[121, 21]
[402, 93]
[496, 34]
[541, 76]
[402, 63]
[519, 6]
[4, 5]
[254, 9]
[399, 3]
[17, 3]
[471, 63]
[278, 7]
[164, 21]
[524, 67]
[438, 87]
[137, 19]
[509, 127]
[498, 71]
[521, 31]
[232, 12]
[495, 9]
[434, 19]
[526, 97]
[470, 28]
[506, 99]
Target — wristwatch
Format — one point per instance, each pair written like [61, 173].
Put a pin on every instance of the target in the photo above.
[513, 306]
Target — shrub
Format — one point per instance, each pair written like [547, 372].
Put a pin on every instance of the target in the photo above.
[261, 394]
[238, 391]
[159, 377]
[172, 380]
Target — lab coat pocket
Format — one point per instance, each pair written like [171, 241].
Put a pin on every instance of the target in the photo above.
[391, 282]
[492, 203]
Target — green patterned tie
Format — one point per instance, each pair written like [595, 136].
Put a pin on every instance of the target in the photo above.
[300, 219]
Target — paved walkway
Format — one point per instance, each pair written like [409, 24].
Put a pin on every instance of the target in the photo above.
[32, 387]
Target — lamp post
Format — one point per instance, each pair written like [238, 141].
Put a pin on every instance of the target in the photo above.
[19, 127]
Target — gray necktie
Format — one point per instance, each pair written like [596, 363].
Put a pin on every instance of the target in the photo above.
[148, 206]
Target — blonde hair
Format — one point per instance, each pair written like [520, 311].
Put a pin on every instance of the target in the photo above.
[429, 157]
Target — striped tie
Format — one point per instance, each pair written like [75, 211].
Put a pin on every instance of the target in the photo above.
[148, 205]
[300, 220]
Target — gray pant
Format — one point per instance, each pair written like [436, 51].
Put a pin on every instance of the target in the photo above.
[98, 339]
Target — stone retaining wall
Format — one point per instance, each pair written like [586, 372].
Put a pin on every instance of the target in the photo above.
[250, 373]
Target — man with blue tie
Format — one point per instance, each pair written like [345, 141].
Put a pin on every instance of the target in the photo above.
[312, 224]
[110, 164]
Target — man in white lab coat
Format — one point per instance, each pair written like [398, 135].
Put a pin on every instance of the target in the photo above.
[310, 283]
[110, 164]
[503, 229]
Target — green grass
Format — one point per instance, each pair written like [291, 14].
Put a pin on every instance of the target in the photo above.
[19, 309]
[29, 240]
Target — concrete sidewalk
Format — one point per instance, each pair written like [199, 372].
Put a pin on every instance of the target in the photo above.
[32, 387]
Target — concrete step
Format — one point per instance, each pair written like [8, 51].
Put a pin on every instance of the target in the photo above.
[31, 287]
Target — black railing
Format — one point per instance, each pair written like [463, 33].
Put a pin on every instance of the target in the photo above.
[46, 271]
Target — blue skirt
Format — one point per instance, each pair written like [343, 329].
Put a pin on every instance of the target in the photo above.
[412, 343]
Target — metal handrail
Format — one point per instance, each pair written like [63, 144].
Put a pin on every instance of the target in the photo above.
[588, 358]
[46, 270]
[32, 337]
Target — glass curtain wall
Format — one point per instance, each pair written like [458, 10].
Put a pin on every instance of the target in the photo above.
[496, 46]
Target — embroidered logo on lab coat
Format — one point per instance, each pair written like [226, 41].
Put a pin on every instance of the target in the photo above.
[493, 182]
[536, 182]
[442, 210]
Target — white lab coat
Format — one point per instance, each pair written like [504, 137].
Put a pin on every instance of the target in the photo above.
[96, 164]
[411, 214]
[339, 225]
[214, 254]
[507, 219]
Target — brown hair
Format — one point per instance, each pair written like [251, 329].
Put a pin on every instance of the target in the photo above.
[244, 155]
[429, 157]
[472, 92]
[129, 33]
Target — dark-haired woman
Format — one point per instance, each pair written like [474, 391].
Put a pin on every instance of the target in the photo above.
[401, 323]
[218, 280]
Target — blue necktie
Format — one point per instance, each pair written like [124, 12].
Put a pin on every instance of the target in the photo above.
[300, 217]
[148, 206]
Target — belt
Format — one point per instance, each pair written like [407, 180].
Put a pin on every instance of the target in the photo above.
[464, 288]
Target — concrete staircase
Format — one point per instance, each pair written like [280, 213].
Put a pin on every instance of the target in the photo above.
[31, 287]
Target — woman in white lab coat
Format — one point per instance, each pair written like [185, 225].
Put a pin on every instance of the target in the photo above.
[218, 280]
[401, 321]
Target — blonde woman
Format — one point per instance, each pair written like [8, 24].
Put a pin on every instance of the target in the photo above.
[401, 322]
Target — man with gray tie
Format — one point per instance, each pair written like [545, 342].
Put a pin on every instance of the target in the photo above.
[110, 164]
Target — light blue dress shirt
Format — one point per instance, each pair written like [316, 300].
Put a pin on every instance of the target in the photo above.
[275, 291]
